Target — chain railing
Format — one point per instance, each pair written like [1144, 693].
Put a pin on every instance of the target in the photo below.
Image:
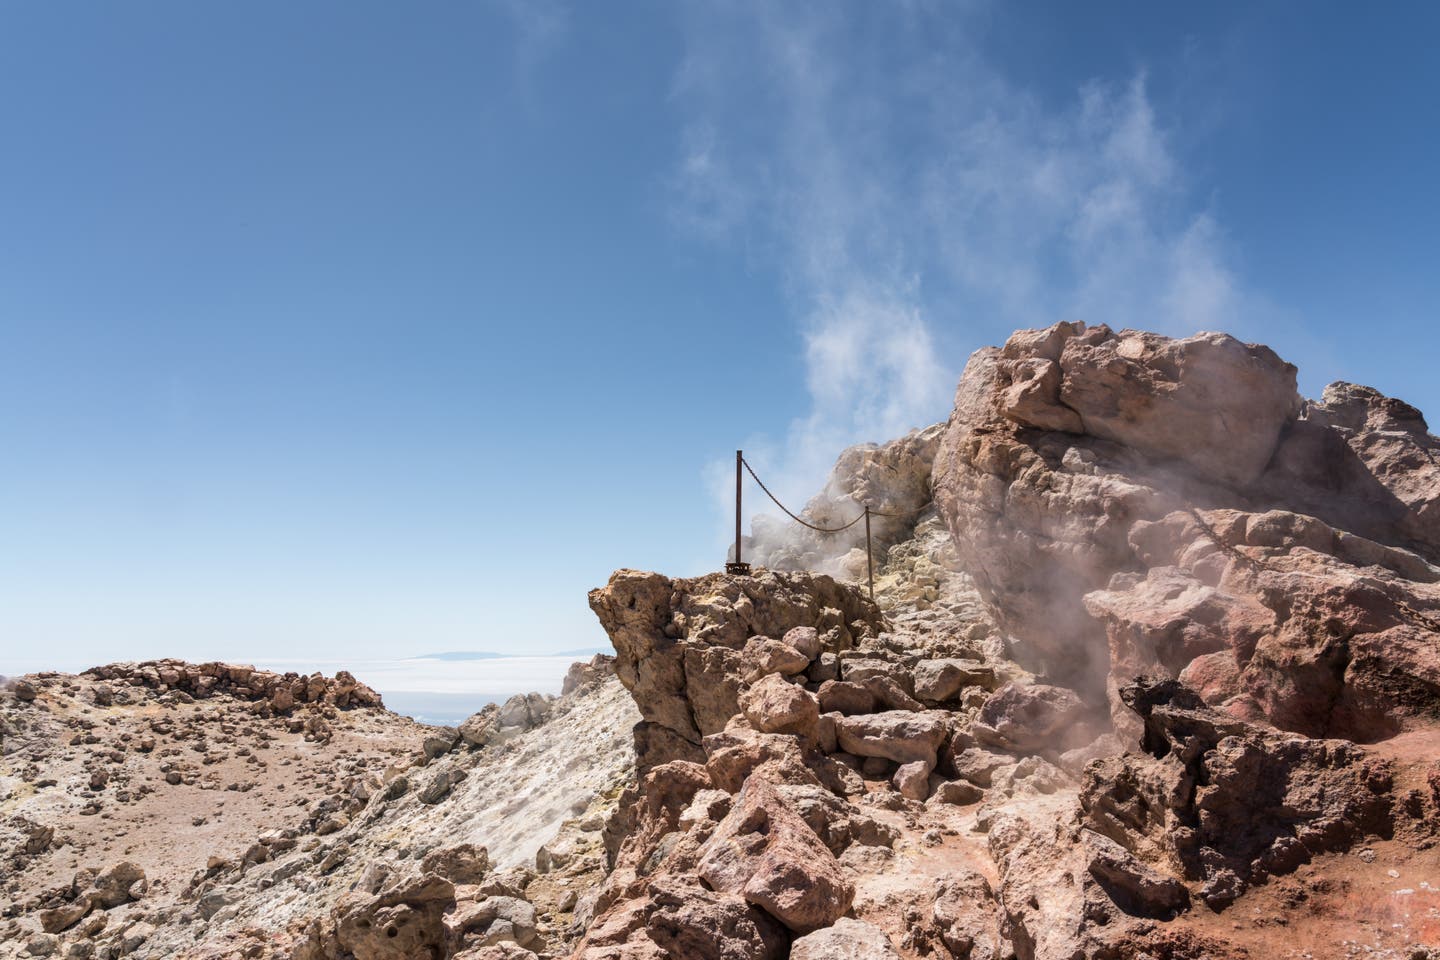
[739, 567]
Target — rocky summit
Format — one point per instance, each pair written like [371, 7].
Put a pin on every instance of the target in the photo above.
[1151, 672]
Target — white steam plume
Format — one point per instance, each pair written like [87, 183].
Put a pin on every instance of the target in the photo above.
[920, 205]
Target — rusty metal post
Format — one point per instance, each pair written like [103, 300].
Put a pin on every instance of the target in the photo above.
[738, 566]
[869, 554]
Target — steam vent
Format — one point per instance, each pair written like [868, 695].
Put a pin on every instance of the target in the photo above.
[1151, 672]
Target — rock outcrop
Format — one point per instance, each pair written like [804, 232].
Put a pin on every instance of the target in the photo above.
[685, 649]
[1126, 506]
[280, 692]
[1227, 803]
[1130, 504]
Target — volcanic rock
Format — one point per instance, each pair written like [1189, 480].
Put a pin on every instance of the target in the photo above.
[775, 705]
[966, 767]
[939, 680]
[681, 644]
[1158, 532]
[66, 915]
[844, 696]
[846, 940]
[119, 884]
[1025, 717]
[912, 779]
[765, 853]
[406, 920]
[965, 915]
[463, 863]
[494, 920]
[896, 735]
[1231, 802]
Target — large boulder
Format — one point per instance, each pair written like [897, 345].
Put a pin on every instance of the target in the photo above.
[66, 915]
[939, 680]
[1026, 717]
[1127, 503]
[763, 851]
[405, 920]
[119, 884]
[493, 921]
[1209, 400]
[676, 918]
[846, 940]
[898, 735]
[775, 705]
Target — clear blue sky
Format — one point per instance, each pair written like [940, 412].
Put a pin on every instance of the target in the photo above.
[358, 328]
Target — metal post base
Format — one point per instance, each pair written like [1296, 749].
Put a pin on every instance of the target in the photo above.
[738, 569]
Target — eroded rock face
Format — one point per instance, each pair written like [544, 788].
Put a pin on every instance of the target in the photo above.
[406, 920]
[1281, 617]
[1228, 803]
[1209, 400]
[1131, 504]
[686, 648]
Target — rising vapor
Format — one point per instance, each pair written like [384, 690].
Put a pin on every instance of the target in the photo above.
[919, 204]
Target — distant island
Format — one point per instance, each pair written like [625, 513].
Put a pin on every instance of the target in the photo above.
[581, 652]
[459, 655]
[489, 655]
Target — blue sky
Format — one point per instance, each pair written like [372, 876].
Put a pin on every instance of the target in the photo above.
[363, 329]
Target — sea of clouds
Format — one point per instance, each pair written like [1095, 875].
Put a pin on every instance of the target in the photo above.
[443, 691]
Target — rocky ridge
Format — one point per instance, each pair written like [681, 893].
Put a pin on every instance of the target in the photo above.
[1173, 660]
[294, 834]
[1150, 672]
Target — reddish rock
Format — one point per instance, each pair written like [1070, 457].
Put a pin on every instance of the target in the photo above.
[939, 680]
[675, 918]
[912, 780]
[846, 940]
[843, 696]
[1154, 533]
[775, 705]
[896, 735]
[681, 644]
[1036, 716]
[1265, 802]
[765, 853]
[890, 695]
[804, 639]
